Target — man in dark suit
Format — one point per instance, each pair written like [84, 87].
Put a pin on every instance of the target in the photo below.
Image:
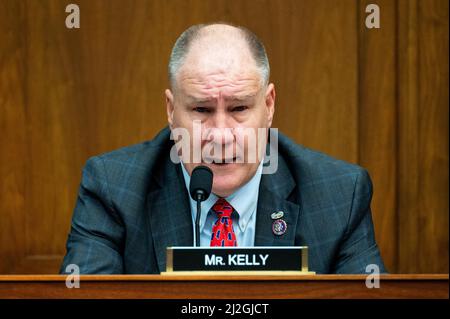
[133, 203]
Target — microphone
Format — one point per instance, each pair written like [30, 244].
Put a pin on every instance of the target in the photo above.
[200, 188]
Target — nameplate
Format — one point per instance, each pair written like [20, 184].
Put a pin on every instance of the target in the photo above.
[292, 258]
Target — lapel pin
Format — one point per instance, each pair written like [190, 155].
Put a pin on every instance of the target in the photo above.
[277, 215]
[279, 227]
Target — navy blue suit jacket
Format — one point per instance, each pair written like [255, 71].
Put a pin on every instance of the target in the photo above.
[133, 203]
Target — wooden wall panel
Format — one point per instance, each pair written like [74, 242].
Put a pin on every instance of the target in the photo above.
[408, 152]
[373, 97]
[433, 140]
[314, 58]
[377, 122]
[13, 139]
[423, 136]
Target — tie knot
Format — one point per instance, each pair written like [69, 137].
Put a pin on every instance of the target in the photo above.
[222, 208]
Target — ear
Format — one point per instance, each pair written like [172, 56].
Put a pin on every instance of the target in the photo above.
[270, 103]
[169, 107]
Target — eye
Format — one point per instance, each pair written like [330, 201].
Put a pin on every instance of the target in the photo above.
[201, 109]
[240, 108]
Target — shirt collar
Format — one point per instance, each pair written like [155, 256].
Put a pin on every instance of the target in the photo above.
[244, 200]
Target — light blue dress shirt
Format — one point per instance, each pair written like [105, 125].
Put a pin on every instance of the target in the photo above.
[244, 201]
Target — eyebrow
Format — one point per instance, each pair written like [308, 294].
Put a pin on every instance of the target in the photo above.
[195, 99]
[241, 97]
[237, 98]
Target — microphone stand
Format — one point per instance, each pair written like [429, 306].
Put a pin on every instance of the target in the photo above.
[199, 199]
[199, 188]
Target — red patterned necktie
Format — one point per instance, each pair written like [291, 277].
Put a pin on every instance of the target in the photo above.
[222, 231]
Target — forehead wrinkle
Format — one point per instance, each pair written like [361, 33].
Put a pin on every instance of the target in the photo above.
[243, 88]
[204, 87]
[218, 76]
[212, 83]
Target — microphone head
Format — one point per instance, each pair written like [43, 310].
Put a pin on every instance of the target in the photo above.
[201, 183]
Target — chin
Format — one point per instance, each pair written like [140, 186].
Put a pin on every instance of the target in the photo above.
[224, 186]
[229, 177]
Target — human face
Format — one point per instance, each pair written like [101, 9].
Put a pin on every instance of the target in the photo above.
[226, 101]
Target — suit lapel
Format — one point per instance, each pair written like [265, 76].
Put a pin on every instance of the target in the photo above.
[273, 193]
[170, 215]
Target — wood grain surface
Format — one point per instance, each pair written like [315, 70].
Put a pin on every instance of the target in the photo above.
[230, 287]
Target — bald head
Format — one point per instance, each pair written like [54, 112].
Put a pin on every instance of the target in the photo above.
[218, 48]
[219, 76]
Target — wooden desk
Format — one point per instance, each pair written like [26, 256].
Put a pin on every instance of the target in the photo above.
[232, 287]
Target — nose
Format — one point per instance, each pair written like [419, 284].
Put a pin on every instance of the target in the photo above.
[219, 129]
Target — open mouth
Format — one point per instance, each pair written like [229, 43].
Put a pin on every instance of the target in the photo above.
[222, 162]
